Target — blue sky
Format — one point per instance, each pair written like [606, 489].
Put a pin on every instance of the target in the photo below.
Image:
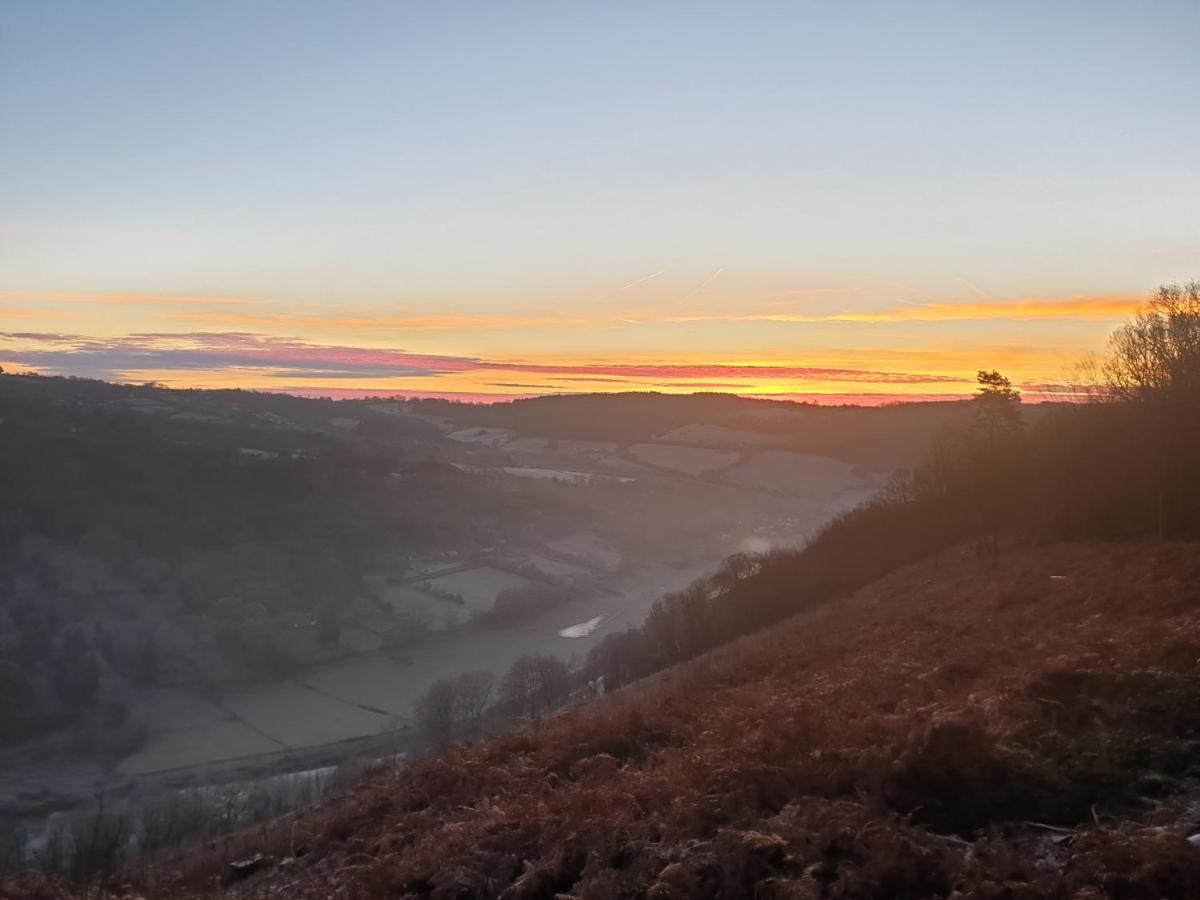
[550, 161]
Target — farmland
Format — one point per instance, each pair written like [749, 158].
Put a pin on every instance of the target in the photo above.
[264, 648]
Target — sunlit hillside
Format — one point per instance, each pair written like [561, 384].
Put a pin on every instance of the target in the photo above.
[1015, 724]
[599, 451]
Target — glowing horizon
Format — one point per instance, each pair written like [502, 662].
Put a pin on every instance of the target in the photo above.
[303, 365]
[547, 199]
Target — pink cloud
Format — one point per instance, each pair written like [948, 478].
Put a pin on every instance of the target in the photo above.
[273, 357]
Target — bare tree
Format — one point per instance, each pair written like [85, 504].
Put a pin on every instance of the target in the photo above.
[96, 843]
[453, 708]
[1156, 356]
[1153, 365]
[474, 694]
[13, 838]
[230, 805]
[517, 688]
[553, 683]
[535, 687]
[435, 712]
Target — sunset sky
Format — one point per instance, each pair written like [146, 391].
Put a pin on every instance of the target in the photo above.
[816, 200]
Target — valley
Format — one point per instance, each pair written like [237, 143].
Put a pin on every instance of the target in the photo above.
[633, 519]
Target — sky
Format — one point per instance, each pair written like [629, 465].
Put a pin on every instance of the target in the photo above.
[854, 202]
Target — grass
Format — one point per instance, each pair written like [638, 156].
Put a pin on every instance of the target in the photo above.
[1015, 725]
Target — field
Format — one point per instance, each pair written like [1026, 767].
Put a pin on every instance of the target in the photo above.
[364, 694]
[186, 729]
[688, 460]
[178, 708]
[526, 445]
[818, 477]
[915, 740]
[587, 549]
[490, 436]
[440, 614]
[561, 475]
[586, 448]
[478, 587]
[719, 436]
[172, 747]
[296, 715]
[189, 730]
[367, 683]
[555, 568]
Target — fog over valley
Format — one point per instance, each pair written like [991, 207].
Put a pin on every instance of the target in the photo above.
[205, 585]
[592, 451]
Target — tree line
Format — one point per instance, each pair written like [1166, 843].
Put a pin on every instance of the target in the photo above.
[1121, 464]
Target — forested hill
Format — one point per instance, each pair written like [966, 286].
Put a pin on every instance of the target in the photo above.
[919, 739]
[888, 436]
[160, 537]
[980, 683]
[154, 537]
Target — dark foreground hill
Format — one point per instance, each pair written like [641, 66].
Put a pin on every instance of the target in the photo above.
[1021, 724]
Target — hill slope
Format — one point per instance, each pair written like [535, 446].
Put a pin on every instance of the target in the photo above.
[1017, 725]
[168, 543]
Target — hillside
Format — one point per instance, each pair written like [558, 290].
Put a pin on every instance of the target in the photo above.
[1019, 724]
[950, 689]
[209, 586]
[886, 436]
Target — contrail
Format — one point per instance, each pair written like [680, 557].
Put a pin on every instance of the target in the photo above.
[914, 290]
[701, 286]
[980, 292]
[638, 281]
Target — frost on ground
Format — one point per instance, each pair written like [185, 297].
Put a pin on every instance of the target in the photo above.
[583, 629]
[703, 435]
[491, 436]
[798, 473]
[561, 475]
[689, 460]
[478, 587]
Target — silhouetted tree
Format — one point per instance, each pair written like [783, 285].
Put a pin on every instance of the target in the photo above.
[474, 693]
[1156, 356]
[435, 712]
[535, 686]
[1153, 366]
[453, 708]
[997, 412]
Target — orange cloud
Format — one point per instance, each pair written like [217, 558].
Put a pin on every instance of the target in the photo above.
[32, 314]
[1088, 308]
[1093, 309]
[269, 316]
[267, 357]
[233, 359]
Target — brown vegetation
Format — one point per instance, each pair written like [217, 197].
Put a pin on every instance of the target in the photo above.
[1013, 725]
[1123, 467]
[980, 724]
